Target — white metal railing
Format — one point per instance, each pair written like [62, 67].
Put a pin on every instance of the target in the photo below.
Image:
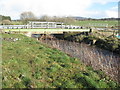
[38, 26]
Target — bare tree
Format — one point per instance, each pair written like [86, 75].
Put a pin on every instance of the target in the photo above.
[45, 18]
[67, 20]
[27, 16]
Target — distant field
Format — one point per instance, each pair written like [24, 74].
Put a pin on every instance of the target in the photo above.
[97, 23]
[16, 23]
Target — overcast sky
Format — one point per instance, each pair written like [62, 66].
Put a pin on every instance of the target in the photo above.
[83, 8]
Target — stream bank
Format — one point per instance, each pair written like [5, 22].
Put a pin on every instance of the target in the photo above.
[97, 58]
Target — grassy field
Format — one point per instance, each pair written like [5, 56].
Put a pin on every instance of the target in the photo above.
[16, 22]
[30, 64]
[96, 23]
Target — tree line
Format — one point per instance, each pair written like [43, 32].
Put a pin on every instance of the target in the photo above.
[29, 16]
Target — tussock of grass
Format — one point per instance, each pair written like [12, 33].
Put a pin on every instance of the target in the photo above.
[30, 64]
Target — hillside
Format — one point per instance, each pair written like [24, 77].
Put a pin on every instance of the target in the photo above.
[30, 64]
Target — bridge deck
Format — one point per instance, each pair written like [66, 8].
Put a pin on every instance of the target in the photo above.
[49, 30]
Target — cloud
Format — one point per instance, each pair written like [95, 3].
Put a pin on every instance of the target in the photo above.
[50, 7]
[41, 7]
[104, 1]
[111, 14]
[115, 8]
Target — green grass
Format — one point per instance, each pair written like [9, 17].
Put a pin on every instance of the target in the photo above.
[16, 23]
[28, 63]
